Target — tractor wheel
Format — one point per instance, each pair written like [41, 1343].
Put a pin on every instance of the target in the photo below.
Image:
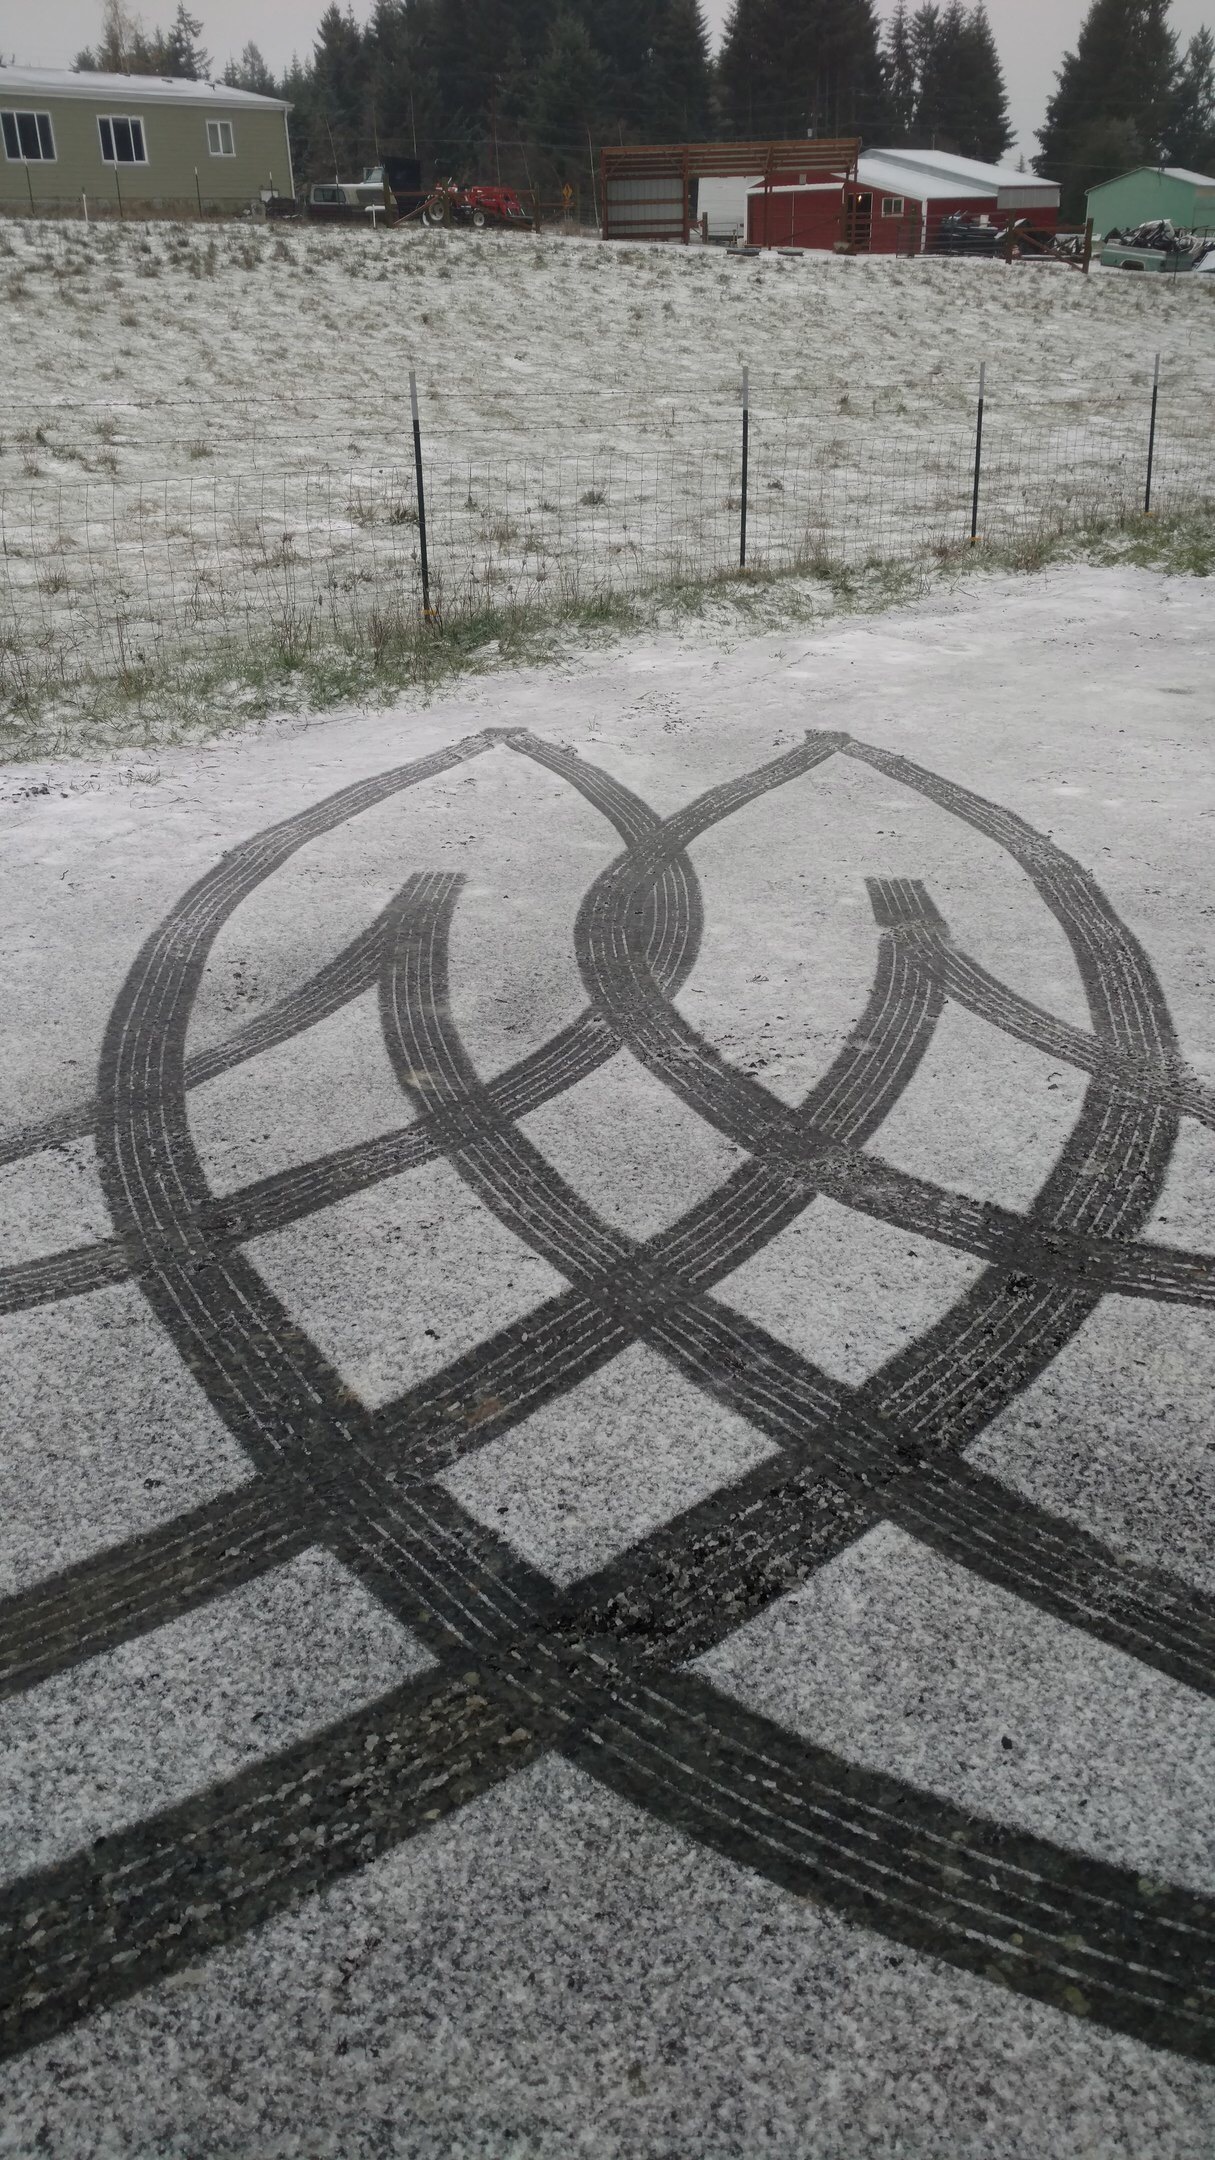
[479, 218]
[435, 214]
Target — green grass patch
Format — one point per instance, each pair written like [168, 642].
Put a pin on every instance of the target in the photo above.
[386, 653]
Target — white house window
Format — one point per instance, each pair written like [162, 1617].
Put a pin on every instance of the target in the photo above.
[29, 138]
[122, 141]
[219, 138]
[892, 206]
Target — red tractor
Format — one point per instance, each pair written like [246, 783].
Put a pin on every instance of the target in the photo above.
[448, 204]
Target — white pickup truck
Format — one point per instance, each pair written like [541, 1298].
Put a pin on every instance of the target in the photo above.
[356, 200]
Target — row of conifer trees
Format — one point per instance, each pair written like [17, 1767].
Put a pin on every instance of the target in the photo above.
[521, 86]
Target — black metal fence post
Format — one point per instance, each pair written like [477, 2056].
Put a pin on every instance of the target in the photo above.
[974, 500]
[427, 610]
[746, 444]
[1147, 492]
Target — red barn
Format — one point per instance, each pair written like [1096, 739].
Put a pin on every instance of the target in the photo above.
[799, 209]
[895, 204]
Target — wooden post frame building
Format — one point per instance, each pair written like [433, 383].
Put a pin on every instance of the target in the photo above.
[648, 189]
[132, 144]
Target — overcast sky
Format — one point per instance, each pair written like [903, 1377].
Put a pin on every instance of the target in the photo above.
[1031, 34]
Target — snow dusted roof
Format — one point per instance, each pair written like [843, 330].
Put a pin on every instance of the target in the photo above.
[942, 165]
[141, 89]
[1158, 172]
[890, 178]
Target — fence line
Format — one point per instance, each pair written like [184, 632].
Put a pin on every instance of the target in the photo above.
[101, 579]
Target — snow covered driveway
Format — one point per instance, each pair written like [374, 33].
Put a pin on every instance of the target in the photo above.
[607, 1370]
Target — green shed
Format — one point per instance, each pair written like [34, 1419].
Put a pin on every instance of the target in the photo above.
[136, 143]
[1151, 192]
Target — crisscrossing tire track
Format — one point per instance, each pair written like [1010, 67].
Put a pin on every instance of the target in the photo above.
[519, 1666]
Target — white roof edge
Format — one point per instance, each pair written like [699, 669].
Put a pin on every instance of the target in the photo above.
[1159, 171]
[1164, 172]
[944, 165]
[920, 184]
[146, 89]
[793, 187]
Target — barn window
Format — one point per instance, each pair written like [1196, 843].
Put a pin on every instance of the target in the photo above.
[29, 138]
[122, 140]
[219, 138]
[892, 206]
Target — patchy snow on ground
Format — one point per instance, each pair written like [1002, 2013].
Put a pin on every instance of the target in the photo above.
[163, 346]
[208, 432]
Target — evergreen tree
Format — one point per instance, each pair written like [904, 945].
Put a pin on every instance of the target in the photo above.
[945, 82]
[750, 74]
[296, 87]
[569, 93]
[180, 50]
[816, 71]
[1191, 125]
[924, 40]
[516, 97]
[1113, 98]
[398, 57]
[335, 108]
[899, 61]
[250, 73]
[678, 108]
[942, 82]
[986, 131]
[621, 32]
[656, 74]
[470, 42]
[961, 102]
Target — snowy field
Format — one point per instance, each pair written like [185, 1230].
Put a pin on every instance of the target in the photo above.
[206, 434]
[607, 1348]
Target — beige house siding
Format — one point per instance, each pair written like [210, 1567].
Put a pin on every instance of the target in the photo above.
[175, 137]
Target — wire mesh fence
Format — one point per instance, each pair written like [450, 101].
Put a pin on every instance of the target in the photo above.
[102, 579]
